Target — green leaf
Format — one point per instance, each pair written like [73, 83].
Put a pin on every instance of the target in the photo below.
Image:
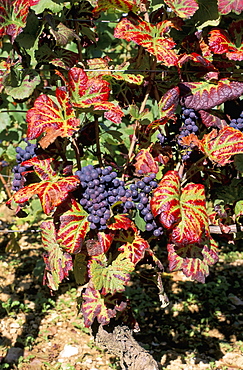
[112, 278]
[30, 80]
[80, 269]
[238, 162]
[47, 4]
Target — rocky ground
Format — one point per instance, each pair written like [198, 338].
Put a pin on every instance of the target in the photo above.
[201, 329]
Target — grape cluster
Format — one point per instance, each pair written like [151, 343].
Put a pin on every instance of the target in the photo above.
[189, 126]
[101, 189]
[161, 138]
[21, 156]
[237, 123]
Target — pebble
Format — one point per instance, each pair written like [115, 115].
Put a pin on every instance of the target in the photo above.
[68, 351]
[13, 355]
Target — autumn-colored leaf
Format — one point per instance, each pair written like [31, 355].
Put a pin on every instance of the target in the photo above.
[53, 119]
[219, 146]
[151, 37]
[135, 250]
[145, 162]
[58, 264]
[52, 190]
[193, 259]
[94, 306]
[212, 120]
[181, 210]
[13, 15]
[105, 240]
[110, 278]
[168, 103]
[123, 5]
[73, 228]
[206, 95]
[220, 43]
[114, 112]
[166, 199]
[183, 8]
[194, 218]
[118, 222]
[227, 6]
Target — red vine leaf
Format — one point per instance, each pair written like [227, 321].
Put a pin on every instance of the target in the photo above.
[53, 119]
[94, 306]
[118, 222]
[145, 162]
[73, 228]
[220, 43]
[194, 218]
[181, 210]
[105, 240]
[52, 190]
[219, 146]
[227, 6]
[205, 95]
[212, 120]
[92, 93]
[165, 201]
[193, 259]
[135, 250]
[151, 37]
[58, 264]
[183, 8]
[13, 15]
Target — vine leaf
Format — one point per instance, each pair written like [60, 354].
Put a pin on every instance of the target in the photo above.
[58, 264]
[145, 162]
[119, 222]
[193, 259]
[182, 210]
[52, 190]
[92, 93]
[194, 217]
[166, 200]
[135, 250]
[205, 95]
[123, 5]
[52, 119]
[30, 80]
[151, 37]
[183, 8]
[219, 146]
[219, 43]
[110, 278]
[73, 228]
[105, 240]
[63, 34]
[13, 15]
[227, 6]
[94, 306]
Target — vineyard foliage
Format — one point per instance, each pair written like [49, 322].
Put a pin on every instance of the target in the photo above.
[103, 88]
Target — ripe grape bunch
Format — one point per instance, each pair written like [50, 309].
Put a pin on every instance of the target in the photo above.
[101, 189]
[189, 126]
[237, 123]
[21, 156]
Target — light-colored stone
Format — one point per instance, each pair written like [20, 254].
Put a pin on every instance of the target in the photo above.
[68, 351]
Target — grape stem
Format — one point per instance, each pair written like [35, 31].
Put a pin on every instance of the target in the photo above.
[97, 140]
[137, 123]
[5, 186]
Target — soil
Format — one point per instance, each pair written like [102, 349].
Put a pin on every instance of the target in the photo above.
[201, 328]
